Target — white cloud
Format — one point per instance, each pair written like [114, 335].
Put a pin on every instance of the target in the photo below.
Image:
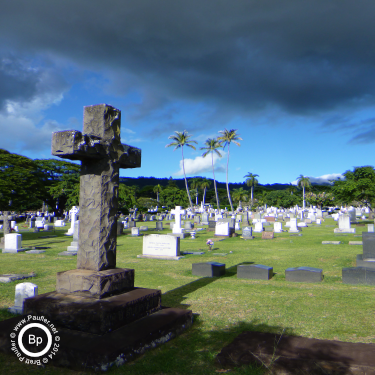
[200, 165]
[324, 179]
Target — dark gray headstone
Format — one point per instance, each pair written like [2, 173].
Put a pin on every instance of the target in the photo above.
[211, 224]
[368, 240]
[362, 263]
[304, 274]
[358, 275]
[159, 225]
[209, 269]
[131, 224]
[120, 227]
[254, 271]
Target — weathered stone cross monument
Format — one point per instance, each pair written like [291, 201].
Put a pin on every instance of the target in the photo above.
[102, 155]
[97, 303]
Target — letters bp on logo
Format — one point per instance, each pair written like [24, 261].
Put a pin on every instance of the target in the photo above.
[35, 340]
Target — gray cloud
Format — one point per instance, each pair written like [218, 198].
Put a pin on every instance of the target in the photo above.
[303, 57]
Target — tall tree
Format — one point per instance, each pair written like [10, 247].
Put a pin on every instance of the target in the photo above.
[226, 138]
[303, 182]
[195, 183]
[358, 186]
[157, 189]
[181, 139]
[212, 146]
[239, 195]
[251, 181]
[205, 184]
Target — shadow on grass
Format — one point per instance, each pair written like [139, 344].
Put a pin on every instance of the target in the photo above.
[175, 297]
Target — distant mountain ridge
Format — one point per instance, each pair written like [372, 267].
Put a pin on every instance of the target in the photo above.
[180, 183]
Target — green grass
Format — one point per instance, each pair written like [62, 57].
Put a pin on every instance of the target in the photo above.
[225, 306]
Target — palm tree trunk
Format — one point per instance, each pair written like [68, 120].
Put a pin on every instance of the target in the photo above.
[252, 187]
[303, 189]
[204, 196]
[213, 171]
[229, 198]
[186, 184]
[196, 197]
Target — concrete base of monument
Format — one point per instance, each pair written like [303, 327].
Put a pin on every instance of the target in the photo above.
[87, 351]
[97, 284]
[98, 316]
[364, 263]
[13, 251]
[161, 257]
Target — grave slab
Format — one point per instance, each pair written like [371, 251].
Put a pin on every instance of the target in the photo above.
[208, 269]
[331, 242]
[358, 275]
[304, 274]
[254, 271]
[355, 243]
[8, 278]
[364, 263]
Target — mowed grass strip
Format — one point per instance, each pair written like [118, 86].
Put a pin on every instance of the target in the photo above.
[226, 306]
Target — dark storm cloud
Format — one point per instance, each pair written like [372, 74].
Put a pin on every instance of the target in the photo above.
[17, 82]
[303, 56]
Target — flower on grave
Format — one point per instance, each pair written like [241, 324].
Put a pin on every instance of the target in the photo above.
[209, 243]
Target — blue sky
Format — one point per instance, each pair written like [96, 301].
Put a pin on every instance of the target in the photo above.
[294, 78]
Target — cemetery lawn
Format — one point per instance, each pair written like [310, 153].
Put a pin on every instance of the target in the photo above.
[222, 307]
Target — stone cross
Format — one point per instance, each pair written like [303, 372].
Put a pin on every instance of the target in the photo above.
[102, 154]
[177, 212]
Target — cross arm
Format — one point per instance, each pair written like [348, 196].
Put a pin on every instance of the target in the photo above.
[73, 145]
[129, 156]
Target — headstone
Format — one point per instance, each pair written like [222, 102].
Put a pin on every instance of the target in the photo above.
[331, 242]
[358, 275]
[237, 226]
[222, 229]
[48, 227]
[192, 234]
[177, 230]
[293, 225]
[188, 225]
[23, 291]
[12, 243]
[161, 246]
[205, 218]
[254, 271]
[247, 233]
[370, 227]
[120, 227]
[304, 274]
[159, 225]
[208, 269]
[344, 225]
[143, 227]
[277, 227]
[267, 235]
[258, 227]
[135, 231]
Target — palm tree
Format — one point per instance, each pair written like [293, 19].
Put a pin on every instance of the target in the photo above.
[212, 146]
[239, 195]
[227, 137]
[195, 183]
[181, 139]
[291, 189]
[251, 181]
[205, 184]
[303, 182]
[157, 189]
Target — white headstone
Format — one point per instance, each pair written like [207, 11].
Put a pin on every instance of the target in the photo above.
[135, 231]
[12, 243]
[23, 290]
[258, 227]
[177, 226]
[222, 228]
[159, 245]
[277, 227]
[293, 225]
